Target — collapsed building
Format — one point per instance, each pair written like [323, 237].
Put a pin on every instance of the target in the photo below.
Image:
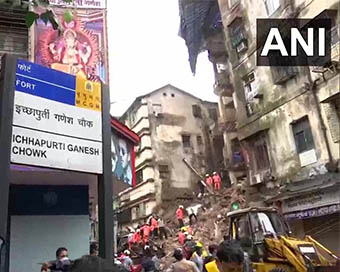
[173, 125]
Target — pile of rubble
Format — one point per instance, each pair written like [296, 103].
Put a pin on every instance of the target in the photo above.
[212, 223]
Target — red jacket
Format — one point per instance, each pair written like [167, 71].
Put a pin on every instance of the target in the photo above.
[181, 238]
[136, 237]
[146, 230]
[154, 223]
[179, 213]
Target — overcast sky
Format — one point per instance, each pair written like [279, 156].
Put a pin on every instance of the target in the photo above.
[146, 53]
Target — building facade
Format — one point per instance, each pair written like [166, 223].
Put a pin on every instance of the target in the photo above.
[281, 124]
[172, 125]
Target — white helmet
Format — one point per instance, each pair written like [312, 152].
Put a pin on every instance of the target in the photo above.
[127, 252]
[181, 207]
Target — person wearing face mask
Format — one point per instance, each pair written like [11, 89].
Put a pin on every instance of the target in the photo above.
[61, 264]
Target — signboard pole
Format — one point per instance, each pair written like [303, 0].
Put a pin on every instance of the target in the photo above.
[7, 87]
[105, 190]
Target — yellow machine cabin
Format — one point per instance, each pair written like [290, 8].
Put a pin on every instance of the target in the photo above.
[267, 239]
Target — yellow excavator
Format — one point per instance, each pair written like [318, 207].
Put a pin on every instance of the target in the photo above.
[267, 239]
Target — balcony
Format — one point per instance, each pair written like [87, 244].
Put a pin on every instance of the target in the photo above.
[141, 191]
[227, 126]
[230, 115]
[237, 163]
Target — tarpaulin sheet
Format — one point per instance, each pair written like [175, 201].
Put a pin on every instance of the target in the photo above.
[198, 18]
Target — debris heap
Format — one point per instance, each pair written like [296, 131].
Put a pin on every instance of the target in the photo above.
[212, 223]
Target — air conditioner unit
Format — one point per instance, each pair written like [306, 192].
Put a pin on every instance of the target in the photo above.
[241, 47]
[256, 179]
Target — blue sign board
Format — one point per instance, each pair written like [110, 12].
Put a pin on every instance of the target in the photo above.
[45, 82]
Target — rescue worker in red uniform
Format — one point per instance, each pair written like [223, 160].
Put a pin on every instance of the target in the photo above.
[208, 180]
[146, 232]
[137, 237]
[217, 181]
[180, 215]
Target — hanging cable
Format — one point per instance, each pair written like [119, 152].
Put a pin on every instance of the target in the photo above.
[320, 227]
[327, 229]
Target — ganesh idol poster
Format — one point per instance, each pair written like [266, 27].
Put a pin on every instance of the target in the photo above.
[80, 48]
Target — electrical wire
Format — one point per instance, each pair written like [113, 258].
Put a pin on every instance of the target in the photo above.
[320, 227]
[327, 229]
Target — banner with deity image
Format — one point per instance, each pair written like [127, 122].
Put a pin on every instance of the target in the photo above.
[81, 47]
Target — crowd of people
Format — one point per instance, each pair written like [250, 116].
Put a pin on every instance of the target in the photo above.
[153, 228]
[190, 255]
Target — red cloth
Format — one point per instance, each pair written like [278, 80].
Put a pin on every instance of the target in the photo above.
[154, 223]
[209, 181]
[179, 213]
[181, 238]
[137, 237]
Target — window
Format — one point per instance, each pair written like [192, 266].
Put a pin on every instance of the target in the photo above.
[186, 141]
[280, 74]
[157, 109]
[142, 210]
[272, 6]
[196, 111]
[259, 153]
[172, 95]
[303, 135]
[199, 140]
[237, 35]
[243, 230]
[164, 94]
[237, 156]
[213, 114]
[233, 3]
[139, 176]
[164, 172]
[250, 86]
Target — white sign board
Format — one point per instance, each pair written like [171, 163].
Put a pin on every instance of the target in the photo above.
[57, 120]
[86, 4]
[320, 198]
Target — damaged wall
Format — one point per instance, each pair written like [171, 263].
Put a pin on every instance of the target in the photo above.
[174, 125]
[271, 100]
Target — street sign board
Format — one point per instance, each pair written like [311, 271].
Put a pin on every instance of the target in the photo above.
[57, 120]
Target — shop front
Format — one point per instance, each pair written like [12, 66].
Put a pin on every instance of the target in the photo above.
[315, 211]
